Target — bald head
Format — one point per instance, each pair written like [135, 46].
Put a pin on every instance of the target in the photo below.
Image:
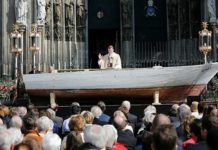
[119, 122]
[160, 119]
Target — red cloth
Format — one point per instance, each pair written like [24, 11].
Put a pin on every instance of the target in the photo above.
[192, 140]
[118, 146]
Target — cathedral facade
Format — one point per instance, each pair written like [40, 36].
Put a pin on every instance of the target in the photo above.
[72, 32]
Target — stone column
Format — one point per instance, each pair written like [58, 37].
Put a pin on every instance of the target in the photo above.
[127, 31]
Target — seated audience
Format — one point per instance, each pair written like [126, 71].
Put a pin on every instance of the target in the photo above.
[183, 111]
[16, 122]
[173, 115]
[57, 119]
[44, 126]
[159, 120]
[125, 136]
[190, 138]
[76, 126]
[122, 115]
[51, 141]
[29, 123]
[5, 140]
[125, 107]
[112, 136]
[95, 138]
[32, 143]
[75, 109]
[208, 123]
[88, 116]
[16, 135]
[164, 138]
[104, 117]
[96, 111]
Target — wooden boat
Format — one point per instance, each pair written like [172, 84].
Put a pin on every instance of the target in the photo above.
[174, 84]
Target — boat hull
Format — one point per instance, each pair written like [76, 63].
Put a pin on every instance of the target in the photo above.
[167, 94]
[174, 84]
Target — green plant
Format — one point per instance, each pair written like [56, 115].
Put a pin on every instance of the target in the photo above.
[7, 90]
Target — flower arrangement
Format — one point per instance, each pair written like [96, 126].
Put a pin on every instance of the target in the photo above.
[7, 90]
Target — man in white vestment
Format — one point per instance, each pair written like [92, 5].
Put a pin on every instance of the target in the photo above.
[111, 60]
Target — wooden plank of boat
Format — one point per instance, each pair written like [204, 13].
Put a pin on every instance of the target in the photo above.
[173, 83]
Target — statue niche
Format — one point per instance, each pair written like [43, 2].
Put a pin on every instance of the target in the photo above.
[80, 12]
[69, 12]
[41, 4]
[69, 19]
[21, 11]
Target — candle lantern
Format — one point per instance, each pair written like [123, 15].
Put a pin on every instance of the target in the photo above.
[205, 40]
[16, 46]
[16, 40]
[34, 44]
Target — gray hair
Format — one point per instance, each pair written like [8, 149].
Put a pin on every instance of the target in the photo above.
[96, 111]
[126, 104]
[51, 141]
[119, 113]
[183, 111]
[45, 124]
[52, 113]
[17, 135]
[22, 111]
[111, 134]
[148, 118]
[5, 139]
[16, 122]
[151, 109]
[95, 135]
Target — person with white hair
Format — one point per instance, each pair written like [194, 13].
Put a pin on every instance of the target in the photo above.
[16, 122]
[56, 120]
[22, 111]
[96, 111]
[5, 140]
[125, 107]
[95, 135]
[51, 141]
[17, 136]
[44, 125]
[149, 115]
[112, 136]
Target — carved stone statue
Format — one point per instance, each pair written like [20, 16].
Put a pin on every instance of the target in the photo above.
[57, 12]
[69, 12]
[41, 4]
[126, 12]
[21, 11]
[48, 12]
[80, 12]
[211, 4]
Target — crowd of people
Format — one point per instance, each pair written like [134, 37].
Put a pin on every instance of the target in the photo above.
[186, 127]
